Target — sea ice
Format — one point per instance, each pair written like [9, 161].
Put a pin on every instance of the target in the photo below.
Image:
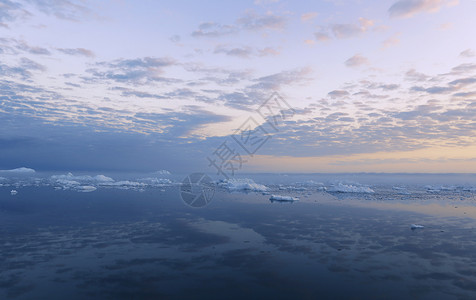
[155, 181]
[86, 188]
[283, 198]
[242, 184]
[13, 192]
[162, 172]
[349, 188]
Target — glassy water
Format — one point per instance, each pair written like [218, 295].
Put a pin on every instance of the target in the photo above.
[145, 243]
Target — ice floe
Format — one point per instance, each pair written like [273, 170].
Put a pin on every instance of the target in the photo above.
[124, 183]
[416, 226]
[85, 188]
[13, 192]
[242, 184]
[350, 188]
[283, 198]
[155, 181]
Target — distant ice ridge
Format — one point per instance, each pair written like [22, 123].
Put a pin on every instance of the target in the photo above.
[242, 184]
[87, 183]
[155, 181]
[84, 183]
[350, 188]
[21, 170]
[283, 198]
[84, 178]
[124, 183]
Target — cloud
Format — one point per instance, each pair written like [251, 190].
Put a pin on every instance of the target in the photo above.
[413, 75]
[9, 11]
[463, 68]
[433, 89]
[344, 31]
[356, 61]
[21, 45]
[463, 81]
[277, 80]
[139, 70]
[257, 22]
[391, 41]
[322, 36]
[243, 52]
[211, 29]
[251, 21]
[468, 53]
[338, 94]
[31, 65]
[389, 87]
[308, 16]
[408, 8]
[465, 94]
[63, 9]
[246, 52]
[76, 52]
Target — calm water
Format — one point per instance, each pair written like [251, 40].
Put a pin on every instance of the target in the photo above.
[131, 244]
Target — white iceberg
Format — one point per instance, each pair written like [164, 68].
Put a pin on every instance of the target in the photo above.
[416, 226]
[349, 188]
[13, 192]
[242, 184]
[21, 170]
[102, 178]
[85, 188]
[83, 178]
[283, 198]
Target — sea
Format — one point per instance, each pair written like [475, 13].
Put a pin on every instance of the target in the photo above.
[255, 236]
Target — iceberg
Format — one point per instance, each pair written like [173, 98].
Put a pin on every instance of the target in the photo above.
[416, 226]
[21, 170]
[349, 188]
[283, 198]
[13, 192]
[102, 178]
[84, 178]
[86, 188]
[242, 184]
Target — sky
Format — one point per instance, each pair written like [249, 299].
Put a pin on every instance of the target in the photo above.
[364, 86]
